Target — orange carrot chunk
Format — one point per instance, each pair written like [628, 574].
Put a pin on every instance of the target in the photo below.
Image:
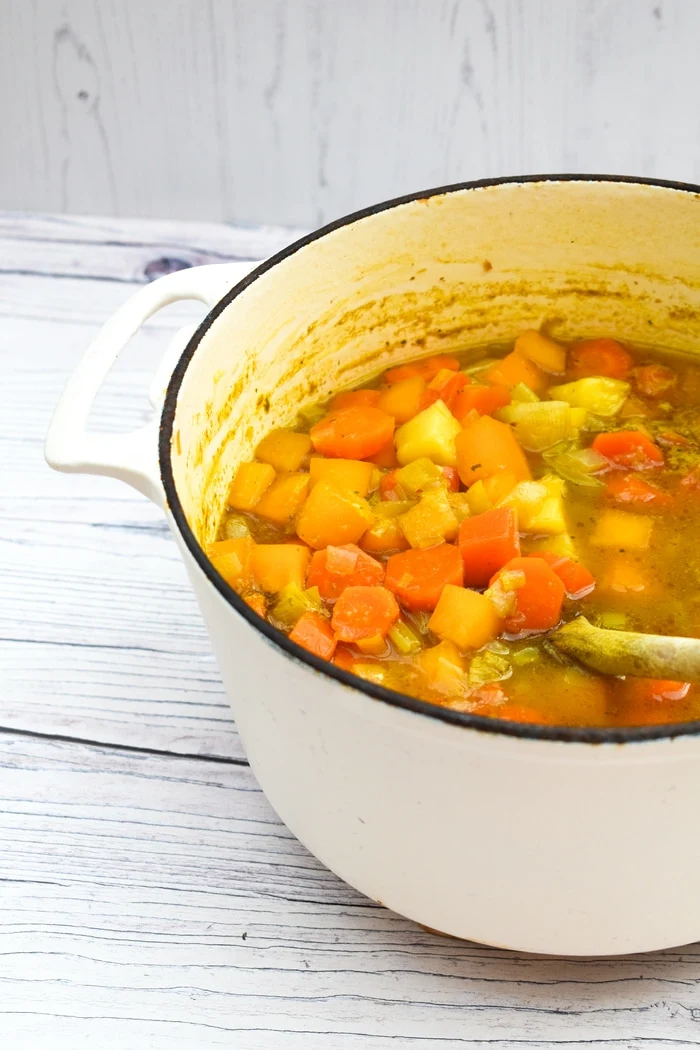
[599, 357]
[426, 369]
[630, 449]
[364, 612]
[417, 577]
[314, 634]
[576, 578]
[335, 568]
[445, 387]
[655, 380]
[651, 701]
[514, 369]
[352, 433]
[486, 446]
[353, 398]
[630, 488]
[481, 399]
[539, 600]
[486, 542]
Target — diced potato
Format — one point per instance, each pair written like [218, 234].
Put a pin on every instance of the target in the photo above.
[332, 515]
[291, 604]
[419, 476]
[352, 474]
[477, 500]
[384, 536]
[284, 449]
[499, 485]
[539, 504]
[282, 500]
[251, 481]
[597, 394]
[277, 565]
[431, 434]
[402, 400]
[465, 618]
[231, 559]
[444, 669]
[430, 522]
[542, 351]
[619, 528]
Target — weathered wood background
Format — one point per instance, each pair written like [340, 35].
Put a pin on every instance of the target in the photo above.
[297, 111]
[149, 897]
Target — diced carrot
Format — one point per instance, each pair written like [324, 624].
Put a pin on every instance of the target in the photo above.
[417, 577]
[384, 537]
[386, 457]
[332, 515]
[486, 542]
[539, 601]
[655, 380]
[353, 475]
[599, 357]
[389, 487]
[283, 499]
[481, 399]
[486, 446]
[464, 617]
[426, 369]
[576, 578]
[344, 658]
[250, 483]
[257, 603]
[630, 449]
[402, 399]
[650, 701]
[313, 632]
[362, 612]
[231, 559]
[352, 433]
[284, 449]
[446, 390]
[630, 488]
[452, 478]
[542, 351]
[274, 565]
[352, 398]
[514, 369]
[624, 577]
[335, 568]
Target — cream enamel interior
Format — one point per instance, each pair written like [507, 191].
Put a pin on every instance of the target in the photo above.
[443, 273]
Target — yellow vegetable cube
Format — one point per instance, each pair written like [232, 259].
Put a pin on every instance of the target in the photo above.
[284, 449]
[352, 474]
[231, 559]
[477, 499]
[249, 484]
[283, 499]
[459, 501]
[539, 504]
[432, 434]
[277, 565]
[465, 618]
[597, 394]
[544, 352]
[619, 528]
[431, 521]
[444, 669]
[418, 477]
[332, 515]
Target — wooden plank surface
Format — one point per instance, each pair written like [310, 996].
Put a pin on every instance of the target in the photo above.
[149, 896]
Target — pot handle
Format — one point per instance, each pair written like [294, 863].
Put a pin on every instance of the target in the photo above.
[130, 457]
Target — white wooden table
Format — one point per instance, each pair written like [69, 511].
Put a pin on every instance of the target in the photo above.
[149, 896]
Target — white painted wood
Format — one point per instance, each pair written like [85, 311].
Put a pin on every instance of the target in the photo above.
[297, 111]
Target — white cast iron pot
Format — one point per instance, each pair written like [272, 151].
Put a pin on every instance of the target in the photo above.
[535, 838]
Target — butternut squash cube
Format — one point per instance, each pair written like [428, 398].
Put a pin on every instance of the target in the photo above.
[444, 669]
[402, 400]
[352, 474]
[430, 522]
[251, 481]
[277, 565]
[284, 449]
[332, 515]
[432, 434]
[465, 618]
[282, 500]
[619, 528]
[232, 559]
[542, 351]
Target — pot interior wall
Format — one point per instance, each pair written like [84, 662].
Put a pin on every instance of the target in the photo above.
[444, 273]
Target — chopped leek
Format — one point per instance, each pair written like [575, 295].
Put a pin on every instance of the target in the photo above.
[538, 424]
[292, 602]
[578, 466]
[404, 639]
[487, 666]
[236, 526]
[521, 392]
[419, 476]
[597, 394]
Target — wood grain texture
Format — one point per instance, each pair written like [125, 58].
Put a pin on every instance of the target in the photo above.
[297, 111]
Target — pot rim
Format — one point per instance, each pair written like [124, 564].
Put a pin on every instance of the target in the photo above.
[463, 720]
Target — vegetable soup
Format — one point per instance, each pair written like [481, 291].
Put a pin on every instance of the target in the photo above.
[430, 531]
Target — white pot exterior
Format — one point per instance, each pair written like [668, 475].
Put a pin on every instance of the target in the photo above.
[520, 841]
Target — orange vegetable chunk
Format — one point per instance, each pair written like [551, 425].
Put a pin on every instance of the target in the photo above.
[599, 357]
[481, 399]
[444, 387]
[427, 369]
[352, 398]
[486, 446]
[363, 612]
[655, 380]
[231, 558]
[630, 488]
[576, 578]
[283, 499]
[652, 701]
[386, 457]
[514, 369]
[274, 565]
[335, 568]
[417, 577]
[402, 400]
[542, 351]
[486, 542]
[284, 449]
[384, 537]
[624, 577]
[465, 617]
[539, 601]
[352, 433]
[257, 603]
[630, 449]
[352, 474]
[251, 481]
[314, 633]
[332, 515]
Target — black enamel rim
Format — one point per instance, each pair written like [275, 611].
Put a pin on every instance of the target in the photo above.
[479, 723]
